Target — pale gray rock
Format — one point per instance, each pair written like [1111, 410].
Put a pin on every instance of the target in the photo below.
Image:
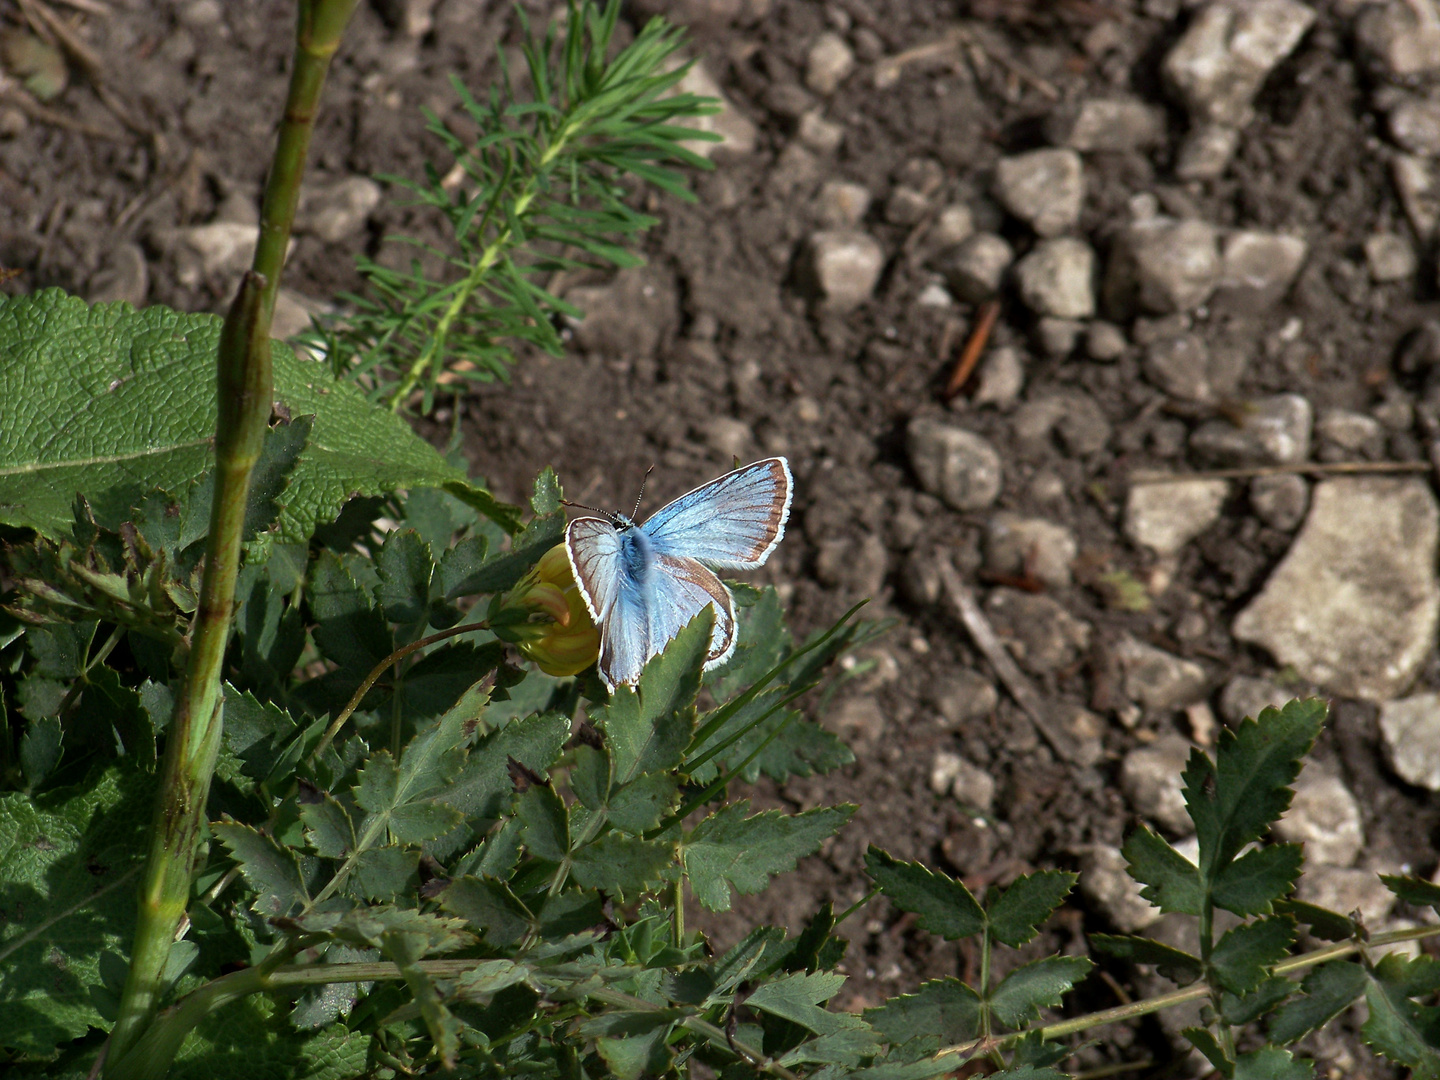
[858, 720]
[1001, 377]
[123, 276]
[1352, 433]
[737, 131]
[1280, 501]
[1206, 151]
[1155, 679]
[1058, 337]
[337, 210]
[920, 578]
[13, 122]
[965, 697]
[1218, 65]
[976, 267]
[934, 295]
[1030, 547]
[1180, 366]
[1257, 270]
[727, 436]
[1044, 188]
[627, 318]
[819, 134]
[1414, 123]
[842, 203]
[906, 206]
[953, 224]
[828, 63]
[1075, 417]
[1113, 125]
[217, 253]
[293, 313]
[1041, 635]
[1104, 341]
[1161, 265]
[1106, 884]
[858, 566]
[1325, 817]
[1245, 697]
[1347, 889]
[1353, 605]
[843, 266]
[968, 784]
[1400, 37]
[796, 170]
[1057, 278]
[1150, 776]
[1390, 257]
[1419, 191]
[959, 466]
[1410, 728]
[1271, 431]
[1166, 517]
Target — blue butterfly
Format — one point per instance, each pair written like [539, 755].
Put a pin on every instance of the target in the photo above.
[643, 583]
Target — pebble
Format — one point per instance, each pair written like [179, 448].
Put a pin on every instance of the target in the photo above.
[1347, 889]
[1414, 123]
[1325, 817]
[294, 313]
[934, 295]
[215, 253]
[1401, 37]
[1001, 378]
[1180, 366]
[1206, 151]
[920, 579]
[1352, 433]
[970, 785]
[1075, 417]
[1390, 257]
[796, 169]
[1150, 776]
[201, 13]
[1353, 605]
[842, 203]
[975, 269]
[1246, 697]
[1042, 636]
[828, 63]
[844, 266]
[1057, 278]
[1220, 62]
[857, 567]
[13, 122]
[1104, 341]
[727, 436]
[1163, 266]
[953, 224]
[965, 697]
[738, 133]
[1058, 337]
[123, 276]
[1410, 728]
[1272, 430]
[1416, 184]
[858, 720]
[1105, 882]
[1280, 501]
[1166, 517]
[414, 18]
[821, 135]
[627, 318]
[1111, 125]
[1257, 270]
[1155, 679]
[962, 468]
[337, 211]
[1044, 188]
[1029, 547]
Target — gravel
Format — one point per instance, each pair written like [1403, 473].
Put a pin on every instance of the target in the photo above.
[1057, 278]
[959, 466]
[1044, 188]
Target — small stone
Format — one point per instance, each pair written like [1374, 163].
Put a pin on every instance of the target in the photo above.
[858, 719]
[1272, 431]
[1104, 342]
[1157, 680]
[1390, 257]
[975, 269]
[953, 224]
[970, 785]
[1056, 278]
[1257, 270]
[1280, 501]
[1058, 337]
[1415, 124]
[920, 579]
[1151, 778]
[944, 767]
[842, 204]
[844, 266]
[934, 295]
[13, 122]
[959, 466]
[1347, 889]
[738, 133]
[413, 18]
[1044, 188]
[796, 169]
[965, 697]
[1075, 417]
[727, 436]
[857, 567]
[821, 135]
[906, 206]
[1162, 265]
[201, 14]
[1351, 432]
[1206, 151]
[124, 276]
[1111, 125]
[1220, 62]
[1325, 817]
[1401, 37]
[1246, 697]
[1001, 378]
[1180, 367]
[337, 211]
[1038, 631]
[1411, 730]
[1105, 882]
[216, 253]
[828, 63]
[628, 317]
[1419, 191]
[1166, 517]
[294, 313]
[1030, 548]
[1353, 605]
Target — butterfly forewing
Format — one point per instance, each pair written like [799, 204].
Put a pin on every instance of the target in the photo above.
[615, 600]
[732, 523]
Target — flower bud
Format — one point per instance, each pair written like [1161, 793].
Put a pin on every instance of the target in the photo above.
[545, 616]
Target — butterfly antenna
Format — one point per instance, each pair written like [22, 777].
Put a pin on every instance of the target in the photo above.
[636, 512]
[582, 506]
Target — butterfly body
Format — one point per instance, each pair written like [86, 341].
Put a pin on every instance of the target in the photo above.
[643, 583]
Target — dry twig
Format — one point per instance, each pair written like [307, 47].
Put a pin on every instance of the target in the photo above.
[974, 347]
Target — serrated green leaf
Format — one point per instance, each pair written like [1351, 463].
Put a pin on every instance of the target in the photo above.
[271, 870]
[348, 630]
[482, 788]
[797, 997]
[250, 1038]
[590, 777]
[773, 739]
[489, 908]
[1400, 1029]
[1246, 789]
[1272, 1063]
[1413, 890]
[1238, 1009]
[257, 734]
[115, 709]
[946, 1009]
[639, 805]
[1204, 1040]
[848, 1047]
[544, 825]
[632, 1042]
[1015, 918]
[417, 822]
[1252, 883]
[1175, 965]
[383, 873]
[1171, 881]
[1327, 991]
[728, 849]
[1324, 924]
[67, 887]
[500, 570]
[39, 748]
[138, 391]
[404, 566]
[944, 905]
[1243, 954]
[623, 865]
[439, 679]
[1035, 986]
[328, 829]
[762, 640]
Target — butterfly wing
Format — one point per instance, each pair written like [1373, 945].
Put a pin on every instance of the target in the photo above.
[614, 598]
[732, 523]
[680, 588]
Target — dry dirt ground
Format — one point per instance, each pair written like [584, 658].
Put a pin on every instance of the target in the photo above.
[784, 312]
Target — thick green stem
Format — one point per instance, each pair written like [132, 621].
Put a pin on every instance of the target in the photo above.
[244, 395]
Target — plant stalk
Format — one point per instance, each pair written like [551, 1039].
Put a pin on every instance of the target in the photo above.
[245, 392]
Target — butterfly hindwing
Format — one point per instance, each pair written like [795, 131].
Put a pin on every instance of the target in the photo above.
[731, 523]
[680, 589]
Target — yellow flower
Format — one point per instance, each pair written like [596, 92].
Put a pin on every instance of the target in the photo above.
[545, 616]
